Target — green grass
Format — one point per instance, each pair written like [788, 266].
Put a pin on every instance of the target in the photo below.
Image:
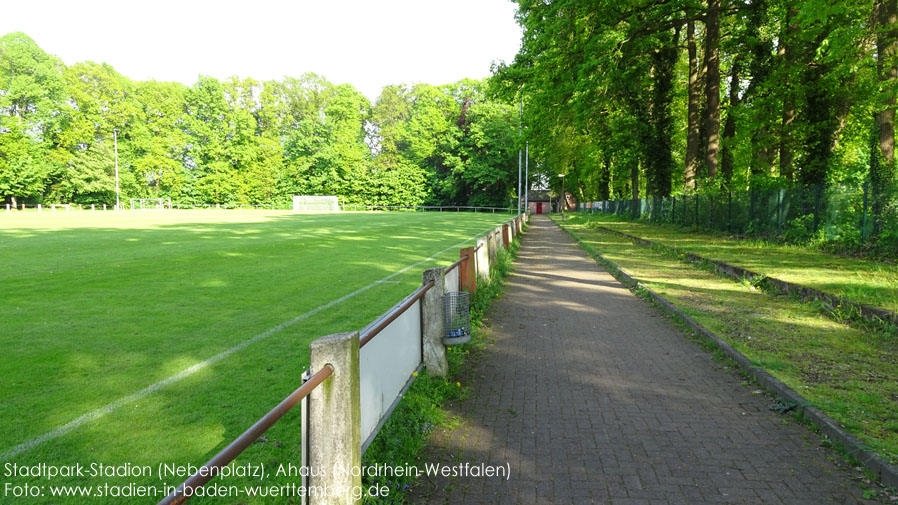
[863, 281]
[99, 306]
[851, 374]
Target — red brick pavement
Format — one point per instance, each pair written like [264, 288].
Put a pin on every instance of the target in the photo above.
[590, 395]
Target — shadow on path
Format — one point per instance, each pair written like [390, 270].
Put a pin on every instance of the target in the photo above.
[589, 395]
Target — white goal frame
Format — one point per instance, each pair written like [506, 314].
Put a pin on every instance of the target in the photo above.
[315, 203]
[161, 204]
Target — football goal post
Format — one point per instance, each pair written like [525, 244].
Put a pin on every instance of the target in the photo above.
[151, 203]
[304, 203]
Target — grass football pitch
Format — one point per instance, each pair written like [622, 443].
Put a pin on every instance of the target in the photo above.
[145, 338]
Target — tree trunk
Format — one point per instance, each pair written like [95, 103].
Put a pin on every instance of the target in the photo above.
[882, 172]
[886, 38]
[659, 157]
[822, 125]
[762, 148]
[787, 126]
[729, 128]
[712, 103]
[692, 116]
[604, 179]
[12, 200]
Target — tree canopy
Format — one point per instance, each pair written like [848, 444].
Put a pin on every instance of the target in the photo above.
[650, 98]
[242, 141]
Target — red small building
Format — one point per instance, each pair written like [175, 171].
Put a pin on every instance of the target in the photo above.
[539, 201]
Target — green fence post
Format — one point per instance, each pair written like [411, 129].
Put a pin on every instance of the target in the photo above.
[730, 211]
[817, 189]
[697, 197]
[751, 205]
[777, 216]
[864, 217]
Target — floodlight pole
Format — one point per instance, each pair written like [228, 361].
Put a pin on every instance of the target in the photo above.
[563, 200]
[520, 135]
[115, 147]
[527, 176]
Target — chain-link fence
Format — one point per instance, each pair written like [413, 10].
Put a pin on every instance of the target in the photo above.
[849, 215]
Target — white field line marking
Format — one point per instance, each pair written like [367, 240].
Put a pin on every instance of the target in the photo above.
[187, 372]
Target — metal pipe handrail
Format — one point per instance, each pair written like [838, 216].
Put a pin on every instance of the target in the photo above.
[478, 247]
[391, 316]
[212, 468]
[457, 263]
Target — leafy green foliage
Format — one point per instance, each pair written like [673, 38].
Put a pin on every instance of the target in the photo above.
[607, 94]
[239, 141]
[32, 91]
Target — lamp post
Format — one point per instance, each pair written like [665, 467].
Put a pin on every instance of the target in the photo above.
[527, 177]
[563, 200]
[115, 146]
[520, 135]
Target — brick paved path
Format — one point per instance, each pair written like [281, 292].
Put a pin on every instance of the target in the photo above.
[593, 397]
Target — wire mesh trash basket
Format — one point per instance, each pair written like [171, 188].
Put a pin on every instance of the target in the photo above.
[456, 318]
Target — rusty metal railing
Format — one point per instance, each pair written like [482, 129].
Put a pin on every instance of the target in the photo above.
[454, 265]
[213, 467]
[372, 332]
[478, 247]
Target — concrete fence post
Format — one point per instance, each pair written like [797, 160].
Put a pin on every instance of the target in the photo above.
[506, 236]
[432, 325]
[7, 207]
[335, 422]
[483, 262]
[492, 247]
[39, 208]
[467, 276]
[92, 207]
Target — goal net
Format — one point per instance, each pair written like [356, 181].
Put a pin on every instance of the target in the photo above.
[303, 203]
[150, 203]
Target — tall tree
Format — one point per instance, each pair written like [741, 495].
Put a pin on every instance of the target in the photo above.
[659, 159]
[882, 166]
[712, 88]
[788, 57]
[694, 89]
[727, 162]
[32, 93]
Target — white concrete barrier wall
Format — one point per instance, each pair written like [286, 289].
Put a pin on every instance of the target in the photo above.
[386, 364]
[451, 281]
